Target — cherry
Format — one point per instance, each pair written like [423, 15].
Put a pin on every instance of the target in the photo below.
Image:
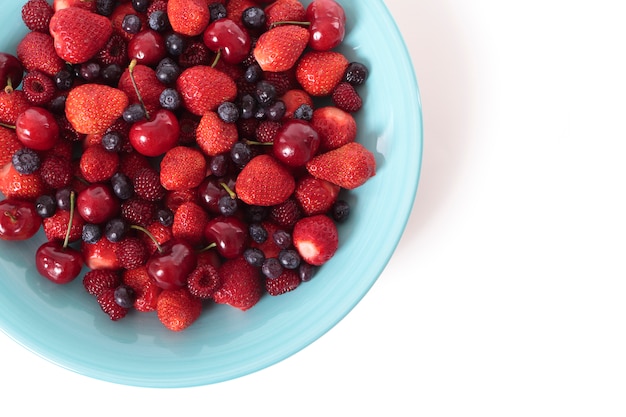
[11, 71]
[37, 129]
[229, 234]
[170, 265]
[211, 190]
[58, 263]
[156, 136]
[328, 24]
[18, 219]
[147, 47]
[296, 142]
[97, 203]
[228, 37]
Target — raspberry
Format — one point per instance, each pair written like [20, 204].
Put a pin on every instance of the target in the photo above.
[36, 15]
[131, 252]
[56, 171]
[106, 299]
[188, 125]
[347, 98]
[195, 53]
[114, 52]
[138, 211]
[38, 87]
[204, 281]
[157, 5]
[98, 280]
[67, 131]
[147, 185]
[282, 81]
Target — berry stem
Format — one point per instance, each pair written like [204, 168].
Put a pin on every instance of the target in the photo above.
[9, 87]
[131, 69]
[217, 58]
[289, 22]
[10, 216]
[7, 125]
[230, 192]
[206, 248]
[150, 235]
[254, 142]
[69, 223]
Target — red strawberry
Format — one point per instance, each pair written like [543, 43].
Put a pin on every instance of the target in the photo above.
[84, 4]
[284, 11]
[189, 222]
[106, 300]
[36, 15]
[97, 164]
[334, 126]
[9, 144]
[56, 171]
[203, 89]
[93, 108]
[347, 98]
[178, 309]
[12, 103]
[188, 17]
[289, 280]
[204, 281]
[79, 34]
[149, 86]
[131, 252]
[214, 136]
[146, 289]
[279, 48]
[182, 168]
[348, 166]
[161, 233]
[316, 239]
[36, 52]
[98, 280]
[133, 162]
[55, 227]
[293, 99]
[315, 196]
[264, 182]
[266, 131]
[100, 255]
[319, 72]
[20, 186]
[174, 199]
[235, 8]
[242, 284]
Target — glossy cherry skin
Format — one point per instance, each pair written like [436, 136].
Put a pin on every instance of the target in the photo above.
[210, 191]
[229, 234]
[296, 142]
[328, 24]
[228, 36]
[60, 265]
[171, 266]
[37, 129]
[97, 203]
[147, 47]
[18, 219]
[10, 68]
[156, 136]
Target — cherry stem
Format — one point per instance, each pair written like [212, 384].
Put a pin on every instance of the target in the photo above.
[150, 235]
[217, 58]
[7, 125]
[230, 192]
[254, 142]
[9, 87]
[206, 248]
[289, 22]
[131, 69]
[69, 223]
[10, 216]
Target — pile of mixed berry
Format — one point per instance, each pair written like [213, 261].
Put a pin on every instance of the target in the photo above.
[183, 152]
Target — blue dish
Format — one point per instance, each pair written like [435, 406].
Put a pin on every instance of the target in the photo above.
[65, 325]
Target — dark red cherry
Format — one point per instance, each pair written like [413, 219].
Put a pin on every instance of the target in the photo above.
[37, 129]
[171, 265]
[147, 47]
[18, 219]
[156, 136]
[230, 38]
[211, 190]
[328, 24]
[57, 263]
[97, 203]
[296, 142]
[229, 234]
[10, 69]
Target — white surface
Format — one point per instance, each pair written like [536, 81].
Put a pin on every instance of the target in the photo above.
[506, 295]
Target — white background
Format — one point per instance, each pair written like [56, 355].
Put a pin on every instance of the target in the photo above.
[506, 295]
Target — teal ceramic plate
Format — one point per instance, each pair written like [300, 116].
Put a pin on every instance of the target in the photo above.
[64, 324]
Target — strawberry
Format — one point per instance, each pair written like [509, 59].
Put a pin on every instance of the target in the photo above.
[149, 86]
[242, 284]
[98, 280]
[97, 164]
[174, 199]
[12, 103]
[9, 144]
[79, 34]
[235, 8]
[204, 281]
[282, 81]
[316, 239]
[266, 131]
[203, 89]
[287, 281]
[92, 108]
[315, 196]
[189, 222]
[284, 11]
[319, 72]
[264, 182]
[131, 252]
[348, 166]
[147, 184]
[84, 4]
[100, 255]
[55, 227]
[161, 233]
[293, 99]
[178, 309]
[347, 98]
[214, 136]
[182, 168]
[146, 289]
[334, 126]
[36, 15]
[56, 171]
[133, 162]
[188, 17]
[36, 52]
[106, 300]
[20, 186]
[279, 48]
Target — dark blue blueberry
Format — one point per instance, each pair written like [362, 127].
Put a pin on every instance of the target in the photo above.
[304, 112]
[26, 161]
[356, 73]
[340, 211]
[141, 5]
[111, 74]
[254, 256]
[167, 71]
[257, 232]
[165, 217]
[46, 206]
[276, 111]
[282, 238]
[122, 186]
[62, 198]
[248, 106]
[115, 229]
[91, 233]
[170, 99]
[256, 214]
[228, 112]
[289, 258]
[271, 268]
[133, 113]
[265, 92]
[174, 43]
[253, 73]
[105, 7]
[306, 271]
[253, 18]
[227, 205]
[112, 141]
[218, 11]
[57, 104]
[241, 153]
[89, 71]
[131, 24]
[158, 21]
[64, 79]
[261, 113]
[124, 296]
[218, 165]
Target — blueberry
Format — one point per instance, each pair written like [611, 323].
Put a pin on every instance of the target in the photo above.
[265, 92]
[218, 11]
[131, 24]
[228, 112]
[170, 99]
[165, 217]
[340, 210]
[248, 106]
[282, 238]
[158, 21]
[112, 141]
[253, 73]
[115, 230]
[167, 71]
[26, 161]
[306, 271]
[218, 165]
[356, 73]
[256, 214]
[241, 153]
[111, 74]
[105, 7]
[140, 5]
[57, 104]
[89, 71]
[133, 113]
[303, 112]
[254, 256]
[91, 233]
[62, 197]
[174, 43]
[276, 111]
[289, 258]
[227, 205]
[253, 18]
[46, 206]
[122, 186]
[64, 79]
[124, 296]
[271, 268]
[257, 232]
